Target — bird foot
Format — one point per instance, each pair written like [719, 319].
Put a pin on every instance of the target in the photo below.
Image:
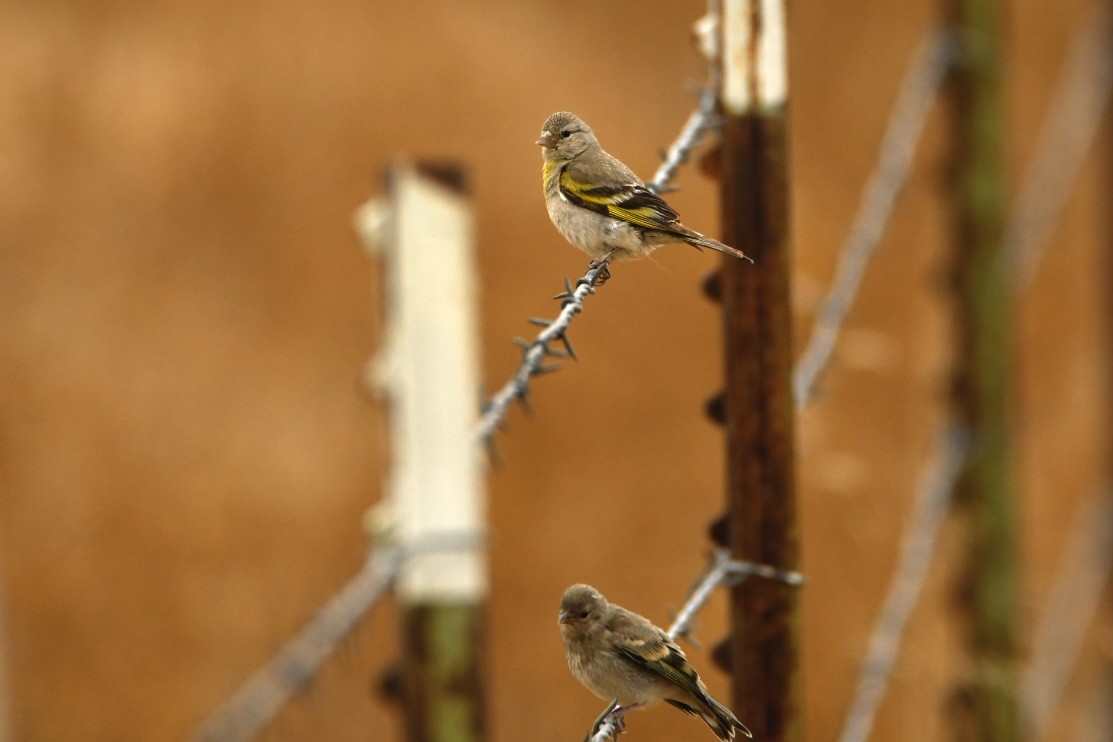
[603, 262]
[617, 720]
[617, 717]
[604, 275]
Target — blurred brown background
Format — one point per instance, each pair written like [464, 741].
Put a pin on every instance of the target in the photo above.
[185, 448]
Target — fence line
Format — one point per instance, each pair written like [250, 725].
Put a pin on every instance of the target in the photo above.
[1083, 92]
[918, 91]
[1055, 166]
[258, 701]
[906, 124]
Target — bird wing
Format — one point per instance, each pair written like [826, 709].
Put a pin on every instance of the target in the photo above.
[650, 649]
[629, 201]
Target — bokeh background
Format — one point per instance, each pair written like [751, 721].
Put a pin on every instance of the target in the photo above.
[186, 447]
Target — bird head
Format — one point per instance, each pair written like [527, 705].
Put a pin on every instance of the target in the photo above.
[581, 606]
[564, 136]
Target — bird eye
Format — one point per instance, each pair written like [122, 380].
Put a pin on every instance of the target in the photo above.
[583, 614]
[566, 133]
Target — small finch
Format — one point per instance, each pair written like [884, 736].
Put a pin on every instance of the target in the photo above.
[620, 655]
[599, 204]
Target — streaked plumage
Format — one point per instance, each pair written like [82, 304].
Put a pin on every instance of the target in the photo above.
[599, 204]
[618, 654]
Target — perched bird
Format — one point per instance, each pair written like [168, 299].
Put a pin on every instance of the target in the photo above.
[620, 655]
[599, 204]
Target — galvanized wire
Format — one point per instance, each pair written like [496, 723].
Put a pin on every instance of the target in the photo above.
[905, 128]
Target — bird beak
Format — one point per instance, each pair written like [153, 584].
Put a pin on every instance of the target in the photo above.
[564, 617]
[545, 140]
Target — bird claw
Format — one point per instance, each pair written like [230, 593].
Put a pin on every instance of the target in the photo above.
[617, 717]
[617, 722]
[613, 715]
[604, 263]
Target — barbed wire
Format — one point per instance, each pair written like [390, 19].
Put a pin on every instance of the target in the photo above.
[1081, 95]
[1070, 127]
[722, 571]
[1076, 109]
[258, 701]
[1071, 604]
[918, 93]
[898, 146]
[917, 549]
[534, 354]
[256, 704]
[702, 119]
[537, 351]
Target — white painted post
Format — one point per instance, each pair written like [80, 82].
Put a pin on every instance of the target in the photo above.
[428, 371]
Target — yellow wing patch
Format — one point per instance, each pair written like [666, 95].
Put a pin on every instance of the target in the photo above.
[548, 170]
[643, 216]
[631, 203]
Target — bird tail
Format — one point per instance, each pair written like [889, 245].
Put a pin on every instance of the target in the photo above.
[697, 240]
[722, 720]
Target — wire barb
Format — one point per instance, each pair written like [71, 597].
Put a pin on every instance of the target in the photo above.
[563, 337]
[737, 572]
[536, 351]
[725, 571]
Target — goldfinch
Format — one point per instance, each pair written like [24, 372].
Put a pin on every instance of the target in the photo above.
[599, 204]
[620, 655]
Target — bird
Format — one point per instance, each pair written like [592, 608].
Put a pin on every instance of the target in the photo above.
[620, 655]
[600, 205]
